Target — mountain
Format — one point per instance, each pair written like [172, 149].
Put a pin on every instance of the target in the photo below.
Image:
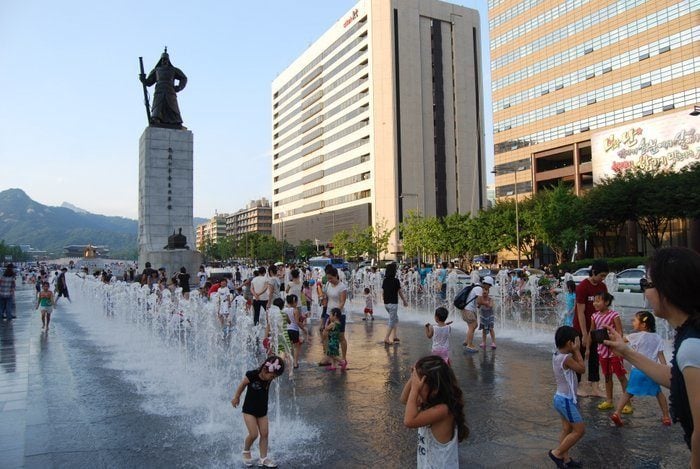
[73, 207]
[24, 221]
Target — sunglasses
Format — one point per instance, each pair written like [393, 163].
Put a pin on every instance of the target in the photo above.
[645, 284]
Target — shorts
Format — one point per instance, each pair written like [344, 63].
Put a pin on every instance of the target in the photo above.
[46, 310]
[443, 353]
[293, 336]
[342, 324]
[612, 365]
[567, 409]
[469, 316]
[369, 311]
[640, 384]
[486, 323]
[393, 310]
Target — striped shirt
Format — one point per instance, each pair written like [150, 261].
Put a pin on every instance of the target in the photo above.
[7, 287]
[601, 320]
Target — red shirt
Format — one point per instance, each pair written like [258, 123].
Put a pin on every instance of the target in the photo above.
[214, 288]
[585, 293]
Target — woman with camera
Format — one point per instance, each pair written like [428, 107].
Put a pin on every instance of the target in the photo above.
[671, 287]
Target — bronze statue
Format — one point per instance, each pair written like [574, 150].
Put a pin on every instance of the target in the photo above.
[165, 111]
[177, 241]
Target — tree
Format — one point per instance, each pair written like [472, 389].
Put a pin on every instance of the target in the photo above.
[306, 249]
[410, 230]
[557, 220]
[380, 235]
[606, 209]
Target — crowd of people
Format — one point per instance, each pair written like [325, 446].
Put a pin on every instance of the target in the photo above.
[590, 344]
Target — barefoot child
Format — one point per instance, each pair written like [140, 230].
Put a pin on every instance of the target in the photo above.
[257, 386]
[647, 342]
[440, 333]
[566, 362]
[45, 302]
[609, 362]
[333, 332]
[486, 319]
[434, 405]
[369, 312]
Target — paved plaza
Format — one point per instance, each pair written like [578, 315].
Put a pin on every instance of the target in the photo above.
[85, 395]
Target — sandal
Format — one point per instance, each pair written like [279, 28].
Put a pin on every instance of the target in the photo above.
[572, 463]
[666, 422]
[343, 365]
[248, 461]
[267, 462]
[558, 461]
[397, 340]
[617, 420]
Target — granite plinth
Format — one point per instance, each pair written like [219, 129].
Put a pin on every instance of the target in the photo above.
[173, 260]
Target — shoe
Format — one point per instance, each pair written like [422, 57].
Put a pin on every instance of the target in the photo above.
[343, 365]
[572, 463]
[628, 409]
[471, 349]
[364, 319]
[267, 462]
[617, 420]
[247, 460]
[605, 405]
[493, 346]
[558, 461]
[666, 422]
[483, 346]
[331, 368]
[397, 340]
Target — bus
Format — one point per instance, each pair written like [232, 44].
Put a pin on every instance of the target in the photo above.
[321, 262]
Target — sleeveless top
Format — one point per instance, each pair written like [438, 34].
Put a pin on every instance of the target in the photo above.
[441, 337]
[292, 325]
[431, 454]
[565, 378]
[678, 398]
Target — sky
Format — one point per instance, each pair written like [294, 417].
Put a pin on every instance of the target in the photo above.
[72, 110]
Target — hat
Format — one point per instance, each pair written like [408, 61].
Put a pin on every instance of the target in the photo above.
[488, 280]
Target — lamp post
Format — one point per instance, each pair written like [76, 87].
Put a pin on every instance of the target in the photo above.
[517, 217]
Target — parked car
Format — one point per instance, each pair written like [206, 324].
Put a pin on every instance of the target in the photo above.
[629, 279]
[579, 275]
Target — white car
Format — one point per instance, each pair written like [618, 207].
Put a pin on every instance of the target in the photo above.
[629, 279]
[579, 275]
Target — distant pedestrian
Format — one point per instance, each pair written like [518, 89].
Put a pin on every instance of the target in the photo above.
[256, 384]
[44, 304]
[566, 362]
[435, 406]
[183, 281]
[7, 293]
[62, 286]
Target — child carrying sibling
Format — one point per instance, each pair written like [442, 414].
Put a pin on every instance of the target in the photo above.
[257, 385]
[440, 333]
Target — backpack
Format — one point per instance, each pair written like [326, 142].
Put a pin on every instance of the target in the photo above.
[460, 300]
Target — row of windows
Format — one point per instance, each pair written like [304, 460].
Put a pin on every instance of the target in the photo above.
[345, 118]
[567, 31]
[513, 12]
[645, 80]
[326, 66]
[545, 18]
[321, 56]
[512, 165]
[494, 3]
[328, 156]
[666, 103]
[611, 37]
[341, 94]
[509, 189]
[310, 112]
[352, 162]
[327, 203]
[320, 189]
[619, 61]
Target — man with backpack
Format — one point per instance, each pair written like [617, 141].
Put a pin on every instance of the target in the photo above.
[468, 302]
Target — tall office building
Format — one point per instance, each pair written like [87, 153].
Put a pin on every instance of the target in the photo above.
[381, 115]
[566, 73]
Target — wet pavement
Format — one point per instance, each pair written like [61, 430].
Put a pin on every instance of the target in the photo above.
[66, 402]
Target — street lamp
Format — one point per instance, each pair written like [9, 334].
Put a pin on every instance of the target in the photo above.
[517, 218]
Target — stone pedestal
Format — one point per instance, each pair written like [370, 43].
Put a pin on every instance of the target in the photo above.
[165, 198]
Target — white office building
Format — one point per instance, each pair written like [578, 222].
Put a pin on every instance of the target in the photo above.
[382, 115]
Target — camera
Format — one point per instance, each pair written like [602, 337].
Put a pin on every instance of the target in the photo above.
[599, 335]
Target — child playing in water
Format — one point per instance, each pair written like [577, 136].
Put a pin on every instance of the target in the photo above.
[647, 342]
[486, 319]
[434, 405]
[369, 312]
[568, 319]
[257, 386]
[566, 362]
[294, 327]
[609, 363]
[333, 332]
[45, 302]
[440, 333]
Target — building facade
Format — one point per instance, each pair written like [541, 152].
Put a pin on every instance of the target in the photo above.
[563, 70]
[380, 116]
[211, 231]
[256, 217]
